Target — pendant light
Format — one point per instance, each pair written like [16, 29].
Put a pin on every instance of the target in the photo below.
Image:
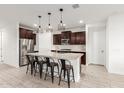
[39, 30]
[61, 26]
[49, 28]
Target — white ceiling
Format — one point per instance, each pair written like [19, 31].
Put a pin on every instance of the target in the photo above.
[89, 13]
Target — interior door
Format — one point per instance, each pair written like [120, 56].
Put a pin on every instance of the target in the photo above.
[97, 44]
[99, 47]
[0, 46]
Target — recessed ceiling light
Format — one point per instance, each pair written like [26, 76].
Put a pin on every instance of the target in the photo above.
[35, 25]
[81, 21]
[75, 6]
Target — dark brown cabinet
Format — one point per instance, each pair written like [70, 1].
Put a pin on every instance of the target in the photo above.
[75, 38]
[27, 34]
[57, 39]
[83, 59]
[80, 38]
[34, 37]
[66, 35]
[22, 33]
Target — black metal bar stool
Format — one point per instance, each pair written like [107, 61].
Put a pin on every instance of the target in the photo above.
[31, 62]
[51, 64]
[66, 67]
[40, 62]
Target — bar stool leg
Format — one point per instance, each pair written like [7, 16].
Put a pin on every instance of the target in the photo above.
[60, 76]
[46, 73]
[52, 73]
[35, 70]
[58, 69]
[73, 74]
[27, 68]
[41, 68]
[68, 77]
[32, 67]
[64, 73]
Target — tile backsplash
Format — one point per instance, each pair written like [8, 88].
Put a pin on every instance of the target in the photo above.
[72, 47]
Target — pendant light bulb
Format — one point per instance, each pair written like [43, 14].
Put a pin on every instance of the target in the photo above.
[49, 28]
[39, 27]
[61, 26]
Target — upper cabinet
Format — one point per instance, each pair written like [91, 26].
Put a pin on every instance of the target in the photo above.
[80, 38]
[27, 34]
[75, 38]
[22, 33]
[57, 39]
[66, 35]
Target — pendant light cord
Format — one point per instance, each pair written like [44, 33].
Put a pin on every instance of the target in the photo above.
[61, 10]
[61, 18]
[49, 18]
[39, 21]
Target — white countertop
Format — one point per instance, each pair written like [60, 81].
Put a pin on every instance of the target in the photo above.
[69, 56]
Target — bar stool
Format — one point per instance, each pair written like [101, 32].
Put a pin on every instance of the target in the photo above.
[51, 64]
[66, 67]
[31, 62]
[40, 62]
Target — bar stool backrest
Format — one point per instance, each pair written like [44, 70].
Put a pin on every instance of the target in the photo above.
[30, 58]
[49, 60]
[64, 62]
[39, 58]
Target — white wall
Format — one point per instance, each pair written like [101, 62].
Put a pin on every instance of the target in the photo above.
[45, 41]
[96, 43]
[36, 47]
[10, 43]
[115, 44]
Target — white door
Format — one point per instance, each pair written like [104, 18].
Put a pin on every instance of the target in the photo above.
[97, 46]
[0, 46]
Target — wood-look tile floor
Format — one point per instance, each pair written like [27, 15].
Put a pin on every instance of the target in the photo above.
[92, 76]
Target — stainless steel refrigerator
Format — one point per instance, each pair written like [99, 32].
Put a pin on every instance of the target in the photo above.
[25, 46]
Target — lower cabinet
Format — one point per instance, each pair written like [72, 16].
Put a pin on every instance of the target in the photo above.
[83, 59]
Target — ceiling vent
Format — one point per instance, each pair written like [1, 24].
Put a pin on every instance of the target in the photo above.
[75, 6]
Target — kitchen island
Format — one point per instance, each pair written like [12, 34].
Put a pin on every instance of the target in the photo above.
[72, 57]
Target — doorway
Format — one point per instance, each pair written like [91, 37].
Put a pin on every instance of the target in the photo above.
[97, 45]
[1, 47]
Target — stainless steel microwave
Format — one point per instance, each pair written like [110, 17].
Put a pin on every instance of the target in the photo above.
[64, 41]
